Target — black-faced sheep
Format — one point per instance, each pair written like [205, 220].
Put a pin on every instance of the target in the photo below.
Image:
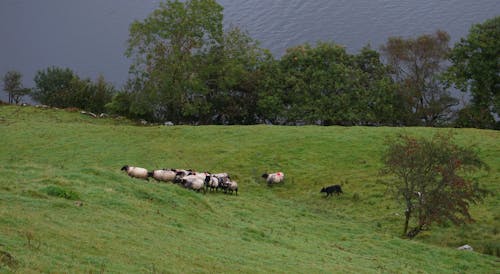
[136, 172]
[179, 174]
[193, 182]
[332, 189]
[274, 178]
[211, 182]
[164, 175]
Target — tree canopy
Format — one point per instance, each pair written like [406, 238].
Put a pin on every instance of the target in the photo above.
[432, 180]
[61, 87]
[416, 65]
[476, 69]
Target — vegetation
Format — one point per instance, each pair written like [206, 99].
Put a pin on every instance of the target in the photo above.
[326, 85]
[431, 181]
[188, 69]
[475, 69]
[13, 86]
[416, 65]
[62, 88]
[127, 225]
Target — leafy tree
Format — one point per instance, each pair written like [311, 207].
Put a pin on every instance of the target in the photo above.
[379, 101]
[52, 86]
[325, 84]
[13, 86]
[233, 71]
[476, 69]
[165, 47]
[432, 180]
[60, 87]
[416, 66]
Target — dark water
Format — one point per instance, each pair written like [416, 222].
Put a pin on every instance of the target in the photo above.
[90, 36]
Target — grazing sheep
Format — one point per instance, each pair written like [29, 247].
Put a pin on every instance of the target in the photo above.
[332, 189]
[179, 174]
[193, 182]
[165, 175]
[274, 178]
[136, 172]
[233, 186]
[211, 182]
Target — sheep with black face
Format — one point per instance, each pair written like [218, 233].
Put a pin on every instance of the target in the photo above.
[193, 182]
[136, 172]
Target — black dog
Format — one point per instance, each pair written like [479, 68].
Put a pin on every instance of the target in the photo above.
[332, 189]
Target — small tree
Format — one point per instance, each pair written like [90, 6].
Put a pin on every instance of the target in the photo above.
[13, 86]
[432, 180]
[416, 66]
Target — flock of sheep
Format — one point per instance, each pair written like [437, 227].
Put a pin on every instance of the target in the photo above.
[199, 181]
[203, 181]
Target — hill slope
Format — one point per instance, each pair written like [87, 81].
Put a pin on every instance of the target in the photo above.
[50, 158]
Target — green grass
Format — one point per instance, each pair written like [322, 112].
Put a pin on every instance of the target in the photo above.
[49, 158]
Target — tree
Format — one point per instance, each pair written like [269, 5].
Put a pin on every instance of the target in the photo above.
[324, 84]
[52, 86]
[432, 180]
[379, 101]
[13, 86]
[165, 48]
[416, 66]
[476, 69]
[60, 87]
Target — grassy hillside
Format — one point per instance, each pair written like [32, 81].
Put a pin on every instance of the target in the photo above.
[51, 158]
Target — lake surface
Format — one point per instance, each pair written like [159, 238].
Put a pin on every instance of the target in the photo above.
[90, 36]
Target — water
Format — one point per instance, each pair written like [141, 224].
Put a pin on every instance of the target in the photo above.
[90, 36]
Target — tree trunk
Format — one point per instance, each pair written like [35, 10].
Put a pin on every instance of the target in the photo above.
[407, 221]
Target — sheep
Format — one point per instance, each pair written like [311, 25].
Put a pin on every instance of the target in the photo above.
[193, 182]
[332, 189]
[233, 186]
[274, 178]
[136, 172]
[211, 182]
[165, 175]
[179, 174]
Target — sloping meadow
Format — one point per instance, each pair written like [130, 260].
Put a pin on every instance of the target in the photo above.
[65, 206]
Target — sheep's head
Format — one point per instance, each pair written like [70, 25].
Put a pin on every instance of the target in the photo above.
[265, 175]
[125, 167]
[323, 190]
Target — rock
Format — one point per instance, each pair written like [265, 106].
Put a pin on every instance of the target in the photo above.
[88, 113]
[466, 247]
[168, 123]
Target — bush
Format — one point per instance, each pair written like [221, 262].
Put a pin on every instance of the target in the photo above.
[62, 88]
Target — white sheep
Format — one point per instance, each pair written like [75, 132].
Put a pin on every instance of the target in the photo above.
[179, 174]
[193, 182]
[274, 178]
[211, 182]
[165, 175]
[136, 172]
[233, 186]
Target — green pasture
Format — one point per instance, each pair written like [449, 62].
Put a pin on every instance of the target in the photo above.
[50, 159]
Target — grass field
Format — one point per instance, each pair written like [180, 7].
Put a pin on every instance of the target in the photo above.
[51, 158]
